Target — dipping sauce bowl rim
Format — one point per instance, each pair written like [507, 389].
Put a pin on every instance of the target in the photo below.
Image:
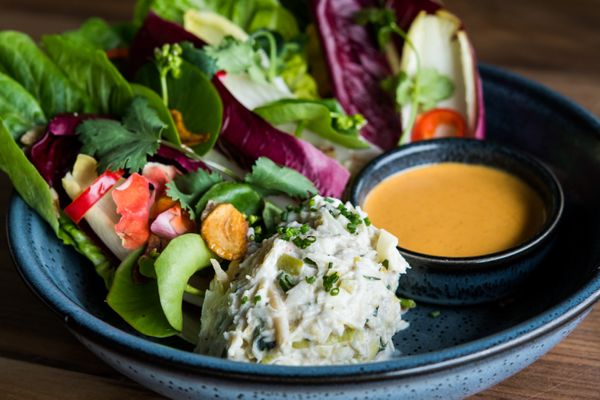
[484, 260]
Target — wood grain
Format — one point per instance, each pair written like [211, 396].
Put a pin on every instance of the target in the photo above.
[552, 41]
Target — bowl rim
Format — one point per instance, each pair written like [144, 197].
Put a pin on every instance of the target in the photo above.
[545, 322]
[483, 262]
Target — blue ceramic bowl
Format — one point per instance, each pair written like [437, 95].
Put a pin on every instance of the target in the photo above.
[465, 350]
[469, 280]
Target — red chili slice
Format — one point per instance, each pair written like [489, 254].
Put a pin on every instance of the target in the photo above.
[90, 196]
[438, 123]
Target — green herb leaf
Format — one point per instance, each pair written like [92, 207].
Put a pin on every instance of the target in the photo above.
[118, 146]
[189, 188]
[26, 180]
[433, 88]
[271, 178]
[235, 56]
[199, 59]
[329, 281]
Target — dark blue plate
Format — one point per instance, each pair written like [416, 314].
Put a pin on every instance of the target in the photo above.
[463, 351]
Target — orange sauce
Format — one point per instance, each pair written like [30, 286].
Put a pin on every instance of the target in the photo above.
[456, 210]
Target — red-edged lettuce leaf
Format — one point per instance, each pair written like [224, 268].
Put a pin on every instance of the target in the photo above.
[244, 135]
[357, 67]
[55, 152]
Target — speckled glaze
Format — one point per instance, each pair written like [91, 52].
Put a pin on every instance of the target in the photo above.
[469, 280]
[464, 350]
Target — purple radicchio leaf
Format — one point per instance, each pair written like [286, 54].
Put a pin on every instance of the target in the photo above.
[357, 67]
[55, 152]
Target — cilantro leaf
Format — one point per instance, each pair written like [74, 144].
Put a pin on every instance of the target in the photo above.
[118, 146]
[433, 88]
[424, 90]
[234, 56]
[187, 189]
[271, 178]
[200, 59]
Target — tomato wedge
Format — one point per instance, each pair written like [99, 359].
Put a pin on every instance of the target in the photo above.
[439, 123]
[90, 196]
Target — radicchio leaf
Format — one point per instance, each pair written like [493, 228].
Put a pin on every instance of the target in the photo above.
[55, 152]
[357, 67]
[245, 135]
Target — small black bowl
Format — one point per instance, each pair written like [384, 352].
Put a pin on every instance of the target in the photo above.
[469, 280]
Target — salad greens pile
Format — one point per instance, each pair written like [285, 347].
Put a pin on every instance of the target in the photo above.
[128, 138]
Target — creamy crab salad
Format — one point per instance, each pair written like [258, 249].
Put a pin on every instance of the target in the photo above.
[320, 291]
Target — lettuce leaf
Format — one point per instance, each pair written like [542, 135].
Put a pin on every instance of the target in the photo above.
[253, 15]
[21, 59]
[71, 235]
[171, 10]
[326, 118]
[18, 108]
[91, 70]
[97, 33]
[137, 300]
[26, 179]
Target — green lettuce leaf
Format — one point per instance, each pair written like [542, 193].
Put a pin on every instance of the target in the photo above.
[91, 70]
[97, 33]
[18, 108]
[21, 59]
[270, 178]
[71, 235]
[26, 179]
[138, 303]
[194, 96]
[183, 256]
[326, 118]
[253, 15]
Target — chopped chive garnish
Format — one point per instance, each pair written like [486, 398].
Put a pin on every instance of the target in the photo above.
[286, 282]
[257, 299]
[310, 279]
[244, 299]
[386, 263]
[329, 281]
[329, 265]
[335, 291]
[310, 262]
[435, 314]
[367, 221]
[407, 303]
[303, 243]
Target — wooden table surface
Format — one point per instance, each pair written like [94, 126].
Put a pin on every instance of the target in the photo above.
[552, 41]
